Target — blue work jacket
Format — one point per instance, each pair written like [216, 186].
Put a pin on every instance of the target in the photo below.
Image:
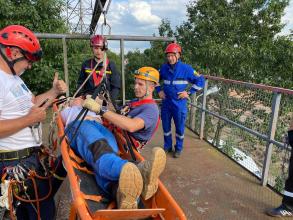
[175, 78]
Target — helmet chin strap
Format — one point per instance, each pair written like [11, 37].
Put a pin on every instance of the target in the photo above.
[10, 63]
[147, 89]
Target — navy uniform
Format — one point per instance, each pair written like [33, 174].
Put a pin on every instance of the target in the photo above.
[113, 77]
[175, 79]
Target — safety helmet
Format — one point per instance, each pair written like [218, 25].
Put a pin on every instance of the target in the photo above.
[21, 37]
[99, 41]
[173, 48]
[147, 73]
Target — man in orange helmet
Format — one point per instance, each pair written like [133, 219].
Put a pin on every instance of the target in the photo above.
[99, 46]
[20, 117]
[176, 76]
[98, 147]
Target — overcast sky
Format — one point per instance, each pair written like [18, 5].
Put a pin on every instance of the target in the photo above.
[133, 17]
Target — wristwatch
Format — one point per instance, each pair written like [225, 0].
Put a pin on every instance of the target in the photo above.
[103, 110]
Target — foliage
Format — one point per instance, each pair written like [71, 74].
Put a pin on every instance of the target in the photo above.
[136, 59]
[38, 15]
[44, 17]
[153, 57]
[228, 149]
[234, 41]
[279, 183]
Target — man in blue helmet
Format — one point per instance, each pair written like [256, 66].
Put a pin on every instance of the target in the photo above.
[176, 76]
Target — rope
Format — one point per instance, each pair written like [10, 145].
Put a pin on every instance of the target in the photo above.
[105, 24]
[32, 175]
[84, 82]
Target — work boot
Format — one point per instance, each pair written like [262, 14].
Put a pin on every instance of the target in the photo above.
[281, 211]
[176, 154]
[130, 187]
[151, 170]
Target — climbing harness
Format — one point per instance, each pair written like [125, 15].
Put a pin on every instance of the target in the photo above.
[19, 183]
[130, 141]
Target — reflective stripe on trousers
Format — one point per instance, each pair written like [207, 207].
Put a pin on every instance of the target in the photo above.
[169, 111]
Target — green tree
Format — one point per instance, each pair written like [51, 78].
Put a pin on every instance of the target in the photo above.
[156, 53]
[136, 59]
[235, 40]
[44, 17]
[154, 56]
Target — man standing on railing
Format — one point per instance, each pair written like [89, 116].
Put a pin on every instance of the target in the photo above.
[175, 77]
[20, 129]
[103, 66]
[286, 208]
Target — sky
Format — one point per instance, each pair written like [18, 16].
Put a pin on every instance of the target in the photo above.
[142, 17]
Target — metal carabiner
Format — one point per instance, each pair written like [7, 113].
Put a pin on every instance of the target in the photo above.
[105, 24]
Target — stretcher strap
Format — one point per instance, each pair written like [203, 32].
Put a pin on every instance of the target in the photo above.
[95, 198]
[77, 161]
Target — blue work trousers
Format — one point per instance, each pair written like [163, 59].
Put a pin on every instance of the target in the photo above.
[107, 168]
[177, 110]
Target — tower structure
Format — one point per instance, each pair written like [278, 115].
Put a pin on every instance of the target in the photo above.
[82, 15]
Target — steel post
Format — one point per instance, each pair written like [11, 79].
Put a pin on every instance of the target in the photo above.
[271, 136]
[65, 64]
[203, 107]
[122, 70]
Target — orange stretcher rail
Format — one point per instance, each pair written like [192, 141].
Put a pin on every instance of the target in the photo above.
[161, 206]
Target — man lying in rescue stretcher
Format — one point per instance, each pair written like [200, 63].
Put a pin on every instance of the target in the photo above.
[98, 147]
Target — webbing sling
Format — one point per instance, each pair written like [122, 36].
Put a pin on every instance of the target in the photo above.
[134, 104]
[98, 79]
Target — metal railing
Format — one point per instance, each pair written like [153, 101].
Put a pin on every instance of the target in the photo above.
[121, 38]
[246, 121]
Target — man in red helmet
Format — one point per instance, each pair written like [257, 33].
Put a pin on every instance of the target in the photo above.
[176, 76]
[99, 47]
[20, 117]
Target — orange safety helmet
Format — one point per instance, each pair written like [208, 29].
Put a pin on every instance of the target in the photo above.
[99, 41]
[147, 73]
[173, 48]
[21, 37]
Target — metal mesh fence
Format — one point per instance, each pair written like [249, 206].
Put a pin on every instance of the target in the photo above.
[248, 106]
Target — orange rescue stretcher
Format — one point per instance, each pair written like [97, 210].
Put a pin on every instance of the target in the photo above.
[87, 204]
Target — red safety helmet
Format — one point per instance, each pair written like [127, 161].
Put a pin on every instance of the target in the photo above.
[21, 37]
[173, 48]
[99, 41]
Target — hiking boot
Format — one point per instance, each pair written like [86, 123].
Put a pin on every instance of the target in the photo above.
[151, 170]
[130, 187]
[281, 211]
[176, 154]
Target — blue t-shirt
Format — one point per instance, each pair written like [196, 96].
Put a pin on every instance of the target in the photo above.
[149, 113]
